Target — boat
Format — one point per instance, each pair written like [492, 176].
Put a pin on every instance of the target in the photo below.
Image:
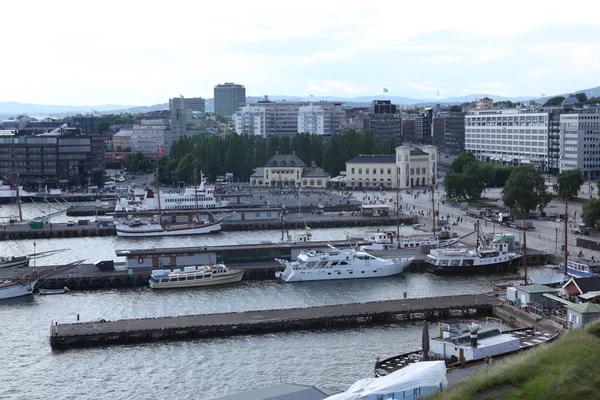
[53, 291]
[581, 268]
[387, 240]
[464, 345]
[149, 228]
[333, 263]
[23, 285]
[194, 276]
[491, 256]
[14, 261]
[201, 197]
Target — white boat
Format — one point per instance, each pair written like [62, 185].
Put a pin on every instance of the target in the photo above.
[174, 199]
[10, 288]
[139, 228]
[53, 291]
[581, 268]
[202, 275]
[386, 240]
[316, 265]
[14, 261]
[493, 256]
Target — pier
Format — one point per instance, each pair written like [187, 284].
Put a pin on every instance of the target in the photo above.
[104, 332]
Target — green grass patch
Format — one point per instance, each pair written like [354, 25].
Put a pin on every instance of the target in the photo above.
[564, 369]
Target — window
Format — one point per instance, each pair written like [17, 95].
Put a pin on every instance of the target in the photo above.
[360, 171]
[381, 171]
[389, 171]
[367, 171]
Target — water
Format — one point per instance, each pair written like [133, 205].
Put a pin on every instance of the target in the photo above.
[202, 369]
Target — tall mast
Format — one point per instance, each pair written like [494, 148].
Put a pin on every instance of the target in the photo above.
[196, 181]
[566, 222]
[525, 250]
[433, 202]
[160, 218]
[17, 193]
[398, 208]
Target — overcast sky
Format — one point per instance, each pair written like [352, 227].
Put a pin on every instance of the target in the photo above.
[143, 52]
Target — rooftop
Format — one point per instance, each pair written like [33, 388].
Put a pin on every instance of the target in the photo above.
[536, 288]
[285, 160]
[585, 308]
[373, 158]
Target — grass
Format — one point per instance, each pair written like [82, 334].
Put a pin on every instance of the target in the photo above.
[564, 369]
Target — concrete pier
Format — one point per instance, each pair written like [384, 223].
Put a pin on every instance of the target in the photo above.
[212, 325]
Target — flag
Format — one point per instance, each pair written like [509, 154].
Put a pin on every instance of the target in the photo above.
[160, 148]
[312, 95]
[385, 90]
[181, 96]
[543, 95]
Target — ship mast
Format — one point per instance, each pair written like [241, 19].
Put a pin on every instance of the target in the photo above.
[397, 205]
[433, 202]
[566, 223]
[160, 217]
[525, 250]
[17, 193]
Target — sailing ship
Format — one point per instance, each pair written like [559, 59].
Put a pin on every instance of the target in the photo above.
[387, 240]
[150, 228]
[24, 284]
[316, 265]
[23, 261]
[194, 276]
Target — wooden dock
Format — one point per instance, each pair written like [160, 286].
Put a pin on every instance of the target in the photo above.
[226, 324]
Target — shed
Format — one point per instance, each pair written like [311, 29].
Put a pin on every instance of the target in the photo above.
[579, 315]
[533, 294]
[375, 210]
[579, 286]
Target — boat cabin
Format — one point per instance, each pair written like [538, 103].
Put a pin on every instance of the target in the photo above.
[474, 345]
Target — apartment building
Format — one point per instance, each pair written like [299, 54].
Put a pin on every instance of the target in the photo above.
[580, 142]
[229, 98]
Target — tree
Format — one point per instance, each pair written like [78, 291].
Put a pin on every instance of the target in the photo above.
[591, 212]
[525, 190]
[582, 97]
[555, 101]
[568, 182]
[136, 162]
[461, 161]
[454, 185]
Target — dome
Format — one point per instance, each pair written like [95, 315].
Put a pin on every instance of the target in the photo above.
[571, 101]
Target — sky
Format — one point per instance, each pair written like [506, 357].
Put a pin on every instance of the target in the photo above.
[132, 52]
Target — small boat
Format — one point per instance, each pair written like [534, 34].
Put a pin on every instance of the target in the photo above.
[386, 240]
[194, 276]
[23, 285]
[581, 268]
[53, 291]
[461, 346]
[317, 265]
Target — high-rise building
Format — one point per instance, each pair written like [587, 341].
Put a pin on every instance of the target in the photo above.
[384, 121]
[311, 119]
[186, 115]
[229, 98]
[150, 133]
[579, 146]
[269, 118]
[449, 130]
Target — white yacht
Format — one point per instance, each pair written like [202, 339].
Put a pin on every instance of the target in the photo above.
[202, 275]
[493, 256]
[386, 240]
[316, 265]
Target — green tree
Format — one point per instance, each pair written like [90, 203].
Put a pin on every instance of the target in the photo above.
[185, 169]
[591, 212]
[582, 97]
[136, 162]
[525, 190]
[475, 180]
[461, 161]
[454, 185]
[568, 183]
[555, 101]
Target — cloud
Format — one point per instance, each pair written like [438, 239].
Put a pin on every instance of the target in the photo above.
[333, 87]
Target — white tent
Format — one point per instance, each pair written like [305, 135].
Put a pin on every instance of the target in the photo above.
[428, 376]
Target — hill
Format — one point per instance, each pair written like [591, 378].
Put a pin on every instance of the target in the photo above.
[565, 369]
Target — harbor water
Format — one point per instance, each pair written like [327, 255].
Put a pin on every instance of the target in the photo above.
[201, 369]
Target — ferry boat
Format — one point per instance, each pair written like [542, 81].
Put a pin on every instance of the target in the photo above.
[488, 257]
[460, 345]
[200, 197]
[139, 228]
[316, 265]
[202, 275]
[581, 268]
[383, 241]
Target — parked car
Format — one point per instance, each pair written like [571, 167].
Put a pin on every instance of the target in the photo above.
[70, 223]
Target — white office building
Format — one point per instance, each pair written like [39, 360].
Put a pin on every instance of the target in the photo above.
[311, 119]
[510, 137]
[251, 120]
[146, 136]
[580, 143]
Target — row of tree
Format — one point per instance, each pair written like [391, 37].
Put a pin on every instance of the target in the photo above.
[582, 97]
[241, 154]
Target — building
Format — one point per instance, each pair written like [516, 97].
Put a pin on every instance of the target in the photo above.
[408, 168]
[384, 121]
[579, 146]
[122, 140]
[579, 315]
[229, 98]
[484, 104]
[150, 133]
[423, 126]
[268, 118]
[534, 294]
[87, 125]
[409, 133]
[186, 115]
[511, 137]
[54, 160]
[286, 171]
[311, 119]
[449, 130]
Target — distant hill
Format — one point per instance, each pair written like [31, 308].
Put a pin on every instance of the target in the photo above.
[593, 92]
[15, 108]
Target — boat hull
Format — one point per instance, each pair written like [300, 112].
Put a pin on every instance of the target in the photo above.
[576, 273]
[11, 290]
[472, 269]
[16, 262]
[233, 276]
[152, 230]
[352, 272]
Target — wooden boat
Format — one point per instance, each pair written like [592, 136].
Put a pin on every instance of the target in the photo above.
[53, 291]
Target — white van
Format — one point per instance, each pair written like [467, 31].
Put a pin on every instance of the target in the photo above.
[110, 185]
